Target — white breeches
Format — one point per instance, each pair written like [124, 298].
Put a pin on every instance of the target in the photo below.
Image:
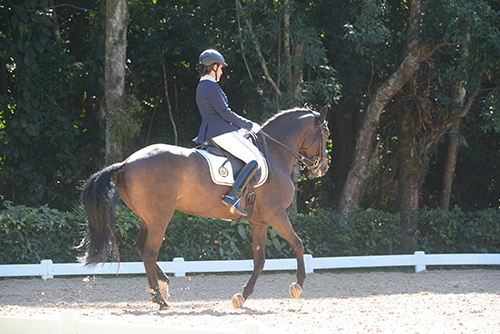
[236, 144]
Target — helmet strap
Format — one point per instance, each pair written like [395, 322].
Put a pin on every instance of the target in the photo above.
[216, 69]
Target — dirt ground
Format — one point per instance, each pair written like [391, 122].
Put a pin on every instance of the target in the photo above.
[452, 301]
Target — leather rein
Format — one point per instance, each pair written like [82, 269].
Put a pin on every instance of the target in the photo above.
[314, 163]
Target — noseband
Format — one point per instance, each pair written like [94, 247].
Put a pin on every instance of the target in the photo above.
[315, 162]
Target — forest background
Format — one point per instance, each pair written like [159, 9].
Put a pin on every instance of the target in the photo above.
[412, 86]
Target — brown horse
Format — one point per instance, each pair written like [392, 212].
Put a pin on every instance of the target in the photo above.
[158, 179]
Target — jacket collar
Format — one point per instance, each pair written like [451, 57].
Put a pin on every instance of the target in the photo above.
[207, 77]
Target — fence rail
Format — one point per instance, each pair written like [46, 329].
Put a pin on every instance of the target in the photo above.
[47, 269]
[68, 324]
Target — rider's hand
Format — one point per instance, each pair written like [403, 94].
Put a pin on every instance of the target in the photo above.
[255, 127]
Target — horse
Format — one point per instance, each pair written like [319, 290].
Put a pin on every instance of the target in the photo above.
[159, 179]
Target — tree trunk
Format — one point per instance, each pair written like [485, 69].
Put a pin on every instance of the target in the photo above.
[297, 71]
[262, 61]
[286, 37]
[169, 104]
[449, 171]
[451, 155]
[364, 163]
[114, 76]
[410, 177]
[238, 9]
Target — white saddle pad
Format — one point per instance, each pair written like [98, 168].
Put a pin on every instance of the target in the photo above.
[221, 170]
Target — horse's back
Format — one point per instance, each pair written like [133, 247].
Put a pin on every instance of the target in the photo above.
[157, 152]
[153, 175]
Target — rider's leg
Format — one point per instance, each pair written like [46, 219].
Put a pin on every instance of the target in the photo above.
[233, 199]
[243, 149]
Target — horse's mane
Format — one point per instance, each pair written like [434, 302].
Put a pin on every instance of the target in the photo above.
[285, 113]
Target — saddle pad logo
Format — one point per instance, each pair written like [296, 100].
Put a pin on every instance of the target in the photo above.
[223, 172]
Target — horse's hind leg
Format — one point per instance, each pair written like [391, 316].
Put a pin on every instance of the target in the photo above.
[259, 233]
[161, 275]
[163, 282]
[148, 245]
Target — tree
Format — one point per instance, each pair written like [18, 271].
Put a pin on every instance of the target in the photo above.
[286, 49]
[114, 78]
[418, 48]
[277, 39]
[44, 112]
[424, 109]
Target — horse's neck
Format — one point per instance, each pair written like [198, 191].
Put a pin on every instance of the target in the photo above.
[290, 136]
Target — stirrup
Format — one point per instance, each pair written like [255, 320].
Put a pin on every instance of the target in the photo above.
[234, 204]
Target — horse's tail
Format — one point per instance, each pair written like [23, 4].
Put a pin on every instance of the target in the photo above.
[97, 197]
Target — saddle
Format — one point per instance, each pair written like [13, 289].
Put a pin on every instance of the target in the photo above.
[225, 167]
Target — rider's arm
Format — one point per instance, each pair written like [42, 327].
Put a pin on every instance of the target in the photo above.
[218, 99]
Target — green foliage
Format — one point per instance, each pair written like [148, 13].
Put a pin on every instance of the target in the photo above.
[51, 88]
[28, 235]
[45, 118]
[459, 232]
[317, 78]
[370, 232]
[127, 124]
[370, 29]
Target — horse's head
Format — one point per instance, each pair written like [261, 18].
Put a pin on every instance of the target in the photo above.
[314, 146]
[304, 136]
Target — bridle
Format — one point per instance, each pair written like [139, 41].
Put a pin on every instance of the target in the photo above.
[314, 163]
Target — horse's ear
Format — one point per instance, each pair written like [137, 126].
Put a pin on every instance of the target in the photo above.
[322, 114]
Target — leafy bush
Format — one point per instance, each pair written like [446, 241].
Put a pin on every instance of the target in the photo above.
[459, 232]
[28, 235]
[370, 232]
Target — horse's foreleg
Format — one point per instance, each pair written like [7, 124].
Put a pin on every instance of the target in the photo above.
[285, 229]
[259, 258]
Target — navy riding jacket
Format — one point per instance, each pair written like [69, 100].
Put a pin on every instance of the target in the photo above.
[217, 117]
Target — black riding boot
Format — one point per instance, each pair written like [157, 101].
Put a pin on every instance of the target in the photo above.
[233, 199]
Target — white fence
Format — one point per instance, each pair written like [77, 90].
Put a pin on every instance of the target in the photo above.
[47, 269]
[69, 324]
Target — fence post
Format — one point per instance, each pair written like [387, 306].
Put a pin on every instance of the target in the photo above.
[179, 267]
[46, 269]
[308, 258]
[419, 257]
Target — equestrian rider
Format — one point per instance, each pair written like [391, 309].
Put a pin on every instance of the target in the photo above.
[224, 127]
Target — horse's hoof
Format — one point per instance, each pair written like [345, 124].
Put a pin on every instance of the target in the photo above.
[164, 289]
[164, 307]
[238, 300]
[295, 290]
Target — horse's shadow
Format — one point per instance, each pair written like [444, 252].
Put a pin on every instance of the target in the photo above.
[197, 309]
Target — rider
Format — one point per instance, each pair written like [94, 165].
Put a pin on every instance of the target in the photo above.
[224, 127]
